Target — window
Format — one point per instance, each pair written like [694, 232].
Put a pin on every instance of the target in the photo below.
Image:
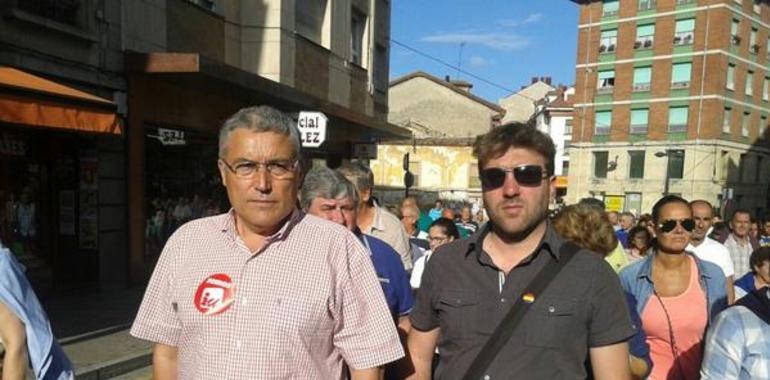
[357, 27]
[642, 78]
[756, 7]
[565, 168]
[727, 120]
[684, 31]
[753, 46]
[765, 93]
[567, 143]
[416, 168]
[639, 120]
[677, 119]
[473, 176]
[645, 35]
[676, 164]
[309, 19]
[730, 76]
[758, 173]
[568, 126]
[603, 122]
[636, 164]
[606, 80]
[600, 164]
[608, 41]
[65, 12]
[735, 38]
[762, 130]
[644, 5]
[680, 75]
[380, 74]
[745, 124]
[743, 166]
[749, 83]
[610, 8]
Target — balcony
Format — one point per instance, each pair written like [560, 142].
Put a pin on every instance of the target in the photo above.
[680, 85]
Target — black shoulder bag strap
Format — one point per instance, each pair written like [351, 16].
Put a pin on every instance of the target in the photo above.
[505, 329]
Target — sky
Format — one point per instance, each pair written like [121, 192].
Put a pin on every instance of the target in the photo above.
[505, 42]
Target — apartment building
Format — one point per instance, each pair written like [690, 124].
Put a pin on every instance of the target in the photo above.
[672, 96]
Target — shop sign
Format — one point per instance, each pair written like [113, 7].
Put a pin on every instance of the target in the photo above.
[614, 203]
[11, 147]
[367, 151]
[312, 128]
[170, 136]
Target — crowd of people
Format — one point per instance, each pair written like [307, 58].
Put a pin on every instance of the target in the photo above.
[308, 277]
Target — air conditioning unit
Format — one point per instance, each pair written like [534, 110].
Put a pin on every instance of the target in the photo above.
[602, 48]
[637, 44]
[687, 39]
[735, 40]
[648, 43]
[611, 48]
[677, 40]
[755, 48]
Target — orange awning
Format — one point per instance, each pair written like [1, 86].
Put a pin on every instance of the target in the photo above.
[32, 100]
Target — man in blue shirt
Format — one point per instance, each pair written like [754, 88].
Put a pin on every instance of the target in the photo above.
[329, 195]
[24, 328]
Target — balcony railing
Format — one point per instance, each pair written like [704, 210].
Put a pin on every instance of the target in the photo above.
[640, 87]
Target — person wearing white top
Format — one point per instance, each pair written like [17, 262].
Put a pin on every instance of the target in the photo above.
[709, 249]
[441, 231]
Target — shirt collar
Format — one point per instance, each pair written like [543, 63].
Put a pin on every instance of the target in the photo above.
[377, 223]
[551, 243]
[227, 225]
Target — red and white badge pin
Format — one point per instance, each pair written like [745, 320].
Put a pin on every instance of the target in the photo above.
[215, 294]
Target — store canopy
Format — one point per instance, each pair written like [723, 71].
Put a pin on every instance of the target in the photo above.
[32, 100]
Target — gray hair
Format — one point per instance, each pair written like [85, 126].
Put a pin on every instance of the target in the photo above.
[358, 173]
[260, 119]
[322, 182]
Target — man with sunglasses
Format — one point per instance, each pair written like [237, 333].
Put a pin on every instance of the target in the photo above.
[677, 295]
[470, 284]
[265, 291]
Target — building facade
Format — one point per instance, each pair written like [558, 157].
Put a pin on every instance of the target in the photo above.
[672, 96]
[553, 116]
[171, 71]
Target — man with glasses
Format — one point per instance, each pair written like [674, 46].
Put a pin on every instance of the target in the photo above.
[707, 248]
[470, 285]
[264, 291]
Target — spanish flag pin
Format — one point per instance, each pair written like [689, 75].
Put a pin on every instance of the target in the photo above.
[528, 297]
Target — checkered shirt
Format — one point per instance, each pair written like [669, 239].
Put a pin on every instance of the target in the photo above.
[302, 306]
[740, 255]
[737, 347]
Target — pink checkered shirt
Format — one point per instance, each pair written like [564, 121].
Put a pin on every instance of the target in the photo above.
[298, 309]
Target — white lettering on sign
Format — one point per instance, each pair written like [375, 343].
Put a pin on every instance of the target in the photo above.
[312, 128]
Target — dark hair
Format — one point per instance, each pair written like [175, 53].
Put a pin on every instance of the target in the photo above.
[741, 211]
[719, 228]
[664, 201]
[759, 256]
[638, 230]
[514, 135]
[447, 225]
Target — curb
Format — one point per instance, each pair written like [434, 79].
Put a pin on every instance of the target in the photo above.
[116, 367]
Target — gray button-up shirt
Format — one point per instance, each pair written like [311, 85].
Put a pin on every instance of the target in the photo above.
[462, 294]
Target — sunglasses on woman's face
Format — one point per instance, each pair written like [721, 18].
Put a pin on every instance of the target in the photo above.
[525, 175]
[670, 224]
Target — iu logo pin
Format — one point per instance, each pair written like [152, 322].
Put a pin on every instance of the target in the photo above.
[528, 297]
[215, 294]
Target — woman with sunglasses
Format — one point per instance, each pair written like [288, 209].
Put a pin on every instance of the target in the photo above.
[440, 232]
[677, 295]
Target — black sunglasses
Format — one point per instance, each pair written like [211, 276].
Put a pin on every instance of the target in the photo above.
[670, 224]
[525, 175]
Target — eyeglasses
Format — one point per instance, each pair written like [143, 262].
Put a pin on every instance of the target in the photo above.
[438, 239]
[670, 224]
[248, 169]
[525, 175]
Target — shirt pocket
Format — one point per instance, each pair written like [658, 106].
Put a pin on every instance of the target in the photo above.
[458, 311]
[552, 319]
